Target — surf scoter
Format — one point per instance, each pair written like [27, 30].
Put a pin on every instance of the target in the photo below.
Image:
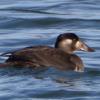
[61, 56]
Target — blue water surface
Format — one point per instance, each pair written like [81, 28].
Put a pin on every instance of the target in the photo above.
[38, 22]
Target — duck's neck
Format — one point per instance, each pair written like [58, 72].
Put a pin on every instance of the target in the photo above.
[68, 51]
[64, 48]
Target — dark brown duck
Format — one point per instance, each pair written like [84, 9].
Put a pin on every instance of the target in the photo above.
[61, 56]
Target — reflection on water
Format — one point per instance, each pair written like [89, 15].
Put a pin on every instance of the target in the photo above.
[26, 23]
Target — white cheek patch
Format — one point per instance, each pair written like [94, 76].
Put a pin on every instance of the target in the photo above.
[68, 41]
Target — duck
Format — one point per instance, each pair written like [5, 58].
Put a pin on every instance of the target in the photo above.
[61, 56]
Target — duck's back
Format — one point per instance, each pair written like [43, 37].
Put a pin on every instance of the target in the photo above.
[39, 56]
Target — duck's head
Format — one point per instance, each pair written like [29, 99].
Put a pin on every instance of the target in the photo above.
[70, 42]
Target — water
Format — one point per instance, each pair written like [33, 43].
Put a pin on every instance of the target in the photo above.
[34, 22]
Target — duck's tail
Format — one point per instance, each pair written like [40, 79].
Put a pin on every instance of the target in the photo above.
[5, 54]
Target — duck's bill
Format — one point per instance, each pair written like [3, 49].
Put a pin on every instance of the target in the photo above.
[83, 47]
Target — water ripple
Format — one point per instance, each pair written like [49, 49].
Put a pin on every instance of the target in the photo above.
[25, 23]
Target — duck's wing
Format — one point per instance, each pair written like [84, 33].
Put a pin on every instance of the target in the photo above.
[33, 54]
[30, 56]
[20, 50]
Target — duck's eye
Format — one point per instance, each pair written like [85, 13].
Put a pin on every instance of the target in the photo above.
[74, 39]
